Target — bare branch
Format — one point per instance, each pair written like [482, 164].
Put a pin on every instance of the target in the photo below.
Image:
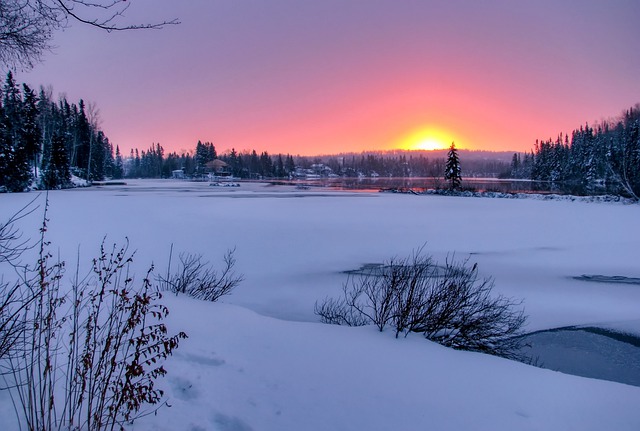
[27, 26]
[197, 278]
[448, 304]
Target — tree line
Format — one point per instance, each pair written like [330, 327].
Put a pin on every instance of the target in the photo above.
[605, 155]
[44, 142]
[249, 164]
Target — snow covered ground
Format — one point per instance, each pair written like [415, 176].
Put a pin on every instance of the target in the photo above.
[259, 361]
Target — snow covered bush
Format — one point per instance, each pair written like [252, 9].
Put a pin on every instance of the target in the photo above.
[88, 352]
[198, 279]
[449, 304]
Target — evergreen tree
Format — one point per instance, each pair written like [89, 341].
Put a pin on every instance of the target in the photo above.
[15, 164]
[452, 172]
[97, 157]
[56, 173]
[254, 164]
[289, 166]
[82, 134]
[279, 167]
[516, 166]
[30, 132]
[118, 169]
[266, 165]
[5, 148]
[205, 153]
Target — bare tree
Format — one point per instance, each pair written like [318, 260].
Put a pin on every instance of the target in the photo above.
[27, 26]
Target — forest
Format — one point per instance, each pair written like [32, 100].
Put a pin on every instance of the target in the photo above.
[607, 154]
[44, 143]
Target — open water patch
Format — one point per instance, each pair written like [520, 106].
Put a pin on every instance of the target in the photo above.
[383, 270]
[616, 279]
[588, 352]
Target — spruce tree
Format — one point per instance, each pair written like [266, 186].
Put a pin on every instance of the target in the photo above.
[118, 169]
[16, 169]
[452, 172]
[56, 173]
[30, 132]
[4, 149]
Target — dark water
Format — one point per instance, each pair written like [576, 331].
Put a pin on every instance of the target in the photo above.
[472, 184]
[588, 352]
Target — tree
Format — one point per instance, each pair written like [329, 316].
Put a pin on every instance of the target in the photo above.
[15, 173]
[118, 169]
[623, 159]
[30, 131]
[205, 153]
[452, 168]
[27, 26]
[56, 167]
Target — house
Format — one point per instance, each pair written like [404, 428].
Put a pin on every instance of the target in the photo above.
[217, 168]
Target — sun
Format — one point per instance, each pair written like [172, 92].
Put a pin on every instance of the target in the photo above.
[428, 138]
[430, 143]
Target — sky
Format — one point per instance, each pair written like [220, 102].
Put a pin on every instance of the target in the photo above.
[323, 77]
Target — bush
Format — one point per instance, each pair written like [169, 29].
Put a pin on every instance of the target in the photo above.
[85, 358]
[13, 300]
[198, 279]
[447, 304]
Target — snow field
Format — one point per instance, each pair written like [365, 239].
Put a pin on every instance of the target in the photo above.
[260, 362]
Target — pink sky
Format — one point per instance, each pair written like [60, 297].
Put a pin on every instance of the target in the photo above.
[317, 77]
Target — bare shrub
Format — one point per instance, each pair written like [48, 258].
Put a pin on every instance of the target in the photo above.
[13, 300]
[88, 358]
[12, 242]
[197, 278]
[338, 312]
[449, 304]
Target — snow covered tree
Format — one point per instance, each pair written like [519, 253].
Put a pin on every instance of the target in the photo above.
[15, 169]
[624, 153]
[452, 171]
[30, 131]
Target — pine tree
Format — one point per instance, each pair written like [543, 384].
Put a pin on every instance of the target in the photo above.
[30, 132]
[5, 149]
[201, 158]
[279, 166]
[118, 169]
[452, 172]
[290, 165]
[56, 172]
[82, 145]
[515, 166]
[16, 168]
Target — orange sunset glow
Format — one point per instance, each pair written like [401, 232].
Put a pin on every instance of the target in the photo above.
[327, 77]
[428, 138]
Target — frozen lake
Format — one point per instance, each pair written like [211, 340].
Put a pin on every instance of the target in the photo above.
[293, 247]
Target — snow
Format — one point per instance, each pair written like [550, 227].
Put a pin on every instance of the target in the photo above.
[260, 360]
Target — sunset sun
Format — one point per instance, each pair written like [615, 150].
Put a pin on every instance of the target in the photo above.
[429, 138]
